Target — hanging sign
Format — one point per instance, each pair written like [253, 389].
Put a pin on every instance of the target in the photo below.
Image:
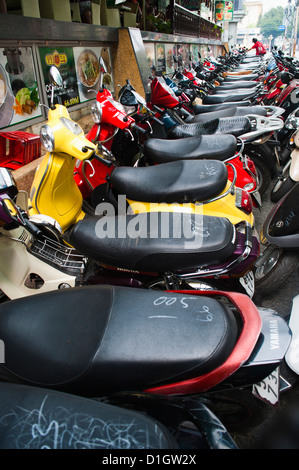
[224, 10]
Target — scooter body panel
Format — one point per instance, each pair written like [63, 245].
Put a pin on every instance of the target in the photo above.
[292, 356]
[281, 227]
[294, 168]
[226, 207]
[18, 265]
[54, 191]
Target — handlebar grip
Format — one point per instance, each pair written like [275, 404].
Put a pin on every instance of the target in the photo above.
[138, 128]
[33, 229]
[108, 163]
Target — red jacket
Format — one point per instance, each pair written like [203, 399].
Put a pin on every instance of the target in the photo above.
[260, 49]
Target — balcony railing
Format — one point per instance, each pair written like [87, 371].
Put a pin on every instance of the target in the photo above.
[180, 20]
[186, 22]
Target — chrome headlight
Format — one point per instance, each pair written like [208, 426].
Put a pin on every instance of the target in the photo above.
[292, 122]
[71, 126]
[47, 137]
[96, 112]
[131, 109]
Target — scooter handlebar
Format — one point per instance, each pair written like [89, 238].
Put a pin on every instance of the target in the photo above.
[108, 163]
[138, 128]
[33, 229]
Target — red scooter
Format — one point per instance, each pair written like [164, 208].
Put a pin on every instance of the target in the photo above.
[111, 119]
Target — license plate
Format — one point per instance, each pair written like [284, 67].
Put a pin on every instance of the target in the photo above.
[268, 389]
[247, 282]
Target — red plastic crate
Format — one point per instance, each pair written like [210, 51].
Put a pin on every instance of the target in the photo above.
[18, 148]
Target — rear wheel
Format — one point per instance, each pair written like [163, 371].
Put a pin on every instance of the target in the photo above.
[239, 410]
[273, 268]
[263, 172]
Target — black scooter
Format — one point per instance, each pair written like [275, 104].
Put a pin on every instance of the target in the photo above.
[280, 235]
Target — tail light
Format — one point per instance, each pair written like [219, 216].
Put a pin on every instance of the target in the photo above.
[243, 201]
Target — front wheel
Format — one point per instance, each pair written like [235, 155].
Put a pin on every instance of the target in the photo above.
[273, 268]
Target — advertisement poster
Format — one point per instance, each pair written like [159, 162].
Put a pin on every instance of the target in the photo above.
[169, 53]
[80, 71]
[195, 51]
[183, 54]
[224, 10]
[63, 59]
[19, 96]
[160, 57]
[150, 53]
[87, 71]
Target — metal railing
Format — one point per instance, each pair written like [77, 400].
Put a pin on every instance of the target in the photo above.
[187, 22]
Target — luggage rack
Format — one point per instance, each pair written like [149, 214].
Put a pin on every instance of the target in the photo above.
[62, 257]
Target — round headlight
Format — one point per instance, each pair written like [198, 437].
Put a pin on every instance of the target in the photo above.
[292, 122]
[131, 109]
[47, 137]
[96, 112]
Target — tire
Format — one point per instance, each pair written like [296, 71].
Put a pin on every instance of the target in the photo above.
[238, 409]
[282, 186]
[263, 172]
[273, 268]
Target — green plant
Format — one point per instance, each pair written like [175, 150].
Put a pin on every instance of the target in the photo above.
[163, 26]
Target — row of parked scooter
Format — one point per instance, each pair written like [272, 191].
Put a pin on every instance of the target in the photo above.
[128, 274]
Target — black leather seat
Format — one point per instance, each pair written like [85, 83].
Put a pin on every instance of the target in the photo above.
[236, 89]
[222, 98]
[233, 78]
[39, 418]
[230, 112]
[99, 339]
[208, 108]
[179, 181]
[240, 84]
[154, 241]
[211, 147]
[235, 126]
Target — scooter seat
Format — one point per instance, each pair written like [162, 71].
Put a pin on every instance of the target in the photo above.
[95, 340]
[222, 98]
[230, 112]
[210, 147]
[238, 78]
[180, 181]
[240, 84]
[207, 108]
[182, 246]
[235, 126]
[57, 420]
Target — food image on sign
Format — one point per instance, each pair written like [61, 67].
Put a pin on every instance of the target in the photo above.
[26, 101]
[88, 68]
[224, 10]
